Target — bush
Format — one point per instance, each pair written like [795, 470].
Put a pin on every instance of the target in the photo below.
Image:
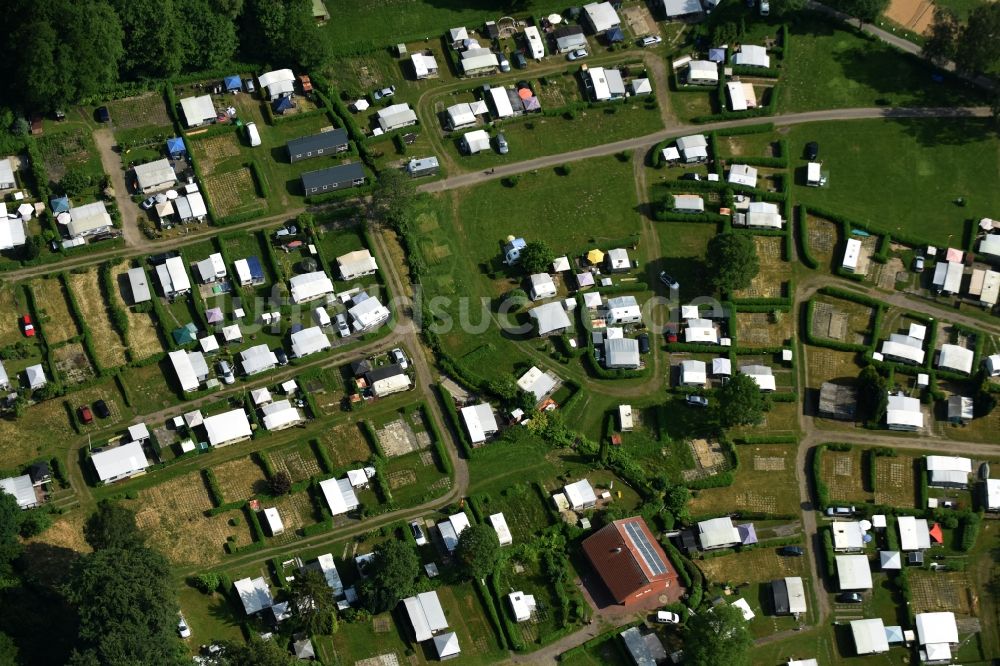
[206, 583]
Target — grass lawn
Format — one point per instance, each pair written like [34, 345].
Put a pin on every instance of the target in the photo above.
[683, 246]
[843, 473]
[69, 145]
[522, 508]
[415, 478]
[691, 104]
[765, 482]
[210, 616]
[833, 67]
[929, 163]
[827, 365]
[491, 470]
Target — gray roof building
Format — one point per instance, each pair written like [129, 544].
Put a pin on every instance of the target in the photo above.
[621, 353]
[139, 284]
[333, 178]
[317, 145]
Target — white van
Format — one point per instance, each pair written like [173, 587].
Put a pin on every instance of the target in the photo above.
[253, 134]
[321, 316]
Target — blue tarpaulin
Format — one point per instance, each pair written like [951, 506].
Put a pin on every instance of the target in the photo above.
[59, 204]
[283, 104]
[717, 55]
[615, 35]
[233, 83]
[175, 146]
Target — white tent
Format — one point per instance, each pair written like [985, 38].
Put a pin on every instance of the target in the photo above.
[742, 174]
[752, 56]
[339, 495]
[280, 414]
[309, 341]
[309, 286]
[581, 495]
[120, 462]
[953, 357]
[869, 636]
[693, 373]
[935, 628]
[717, 533]
[227, 427]
[903, 413]
[853, 572]
[762, 375]
[722, 367]
[701, 331]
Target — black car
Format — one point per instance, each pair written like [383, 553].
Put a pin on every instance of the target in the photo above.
[812, 150]
[282, 357]
[101, 409]
[849, 598]
[103, 115]
[643, 343]
[792, 551]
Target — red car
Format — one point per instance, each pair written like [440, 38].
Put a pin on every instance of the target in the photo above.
[85, 415]
[27, 326]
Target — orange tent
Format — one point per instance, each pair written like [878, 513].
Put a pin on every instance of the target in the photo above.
[936, 533]
[524, 93]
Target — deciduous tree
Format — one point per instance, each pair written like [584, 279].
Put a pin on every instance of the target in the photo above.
[280, 483]
[941, 38]
[10, 525]
[732, 261]
[741, 402]
[313, 602]
[717, 636]
[537, 257]
[478, 550]
[392, 575]
[112, 526]
[978, 48]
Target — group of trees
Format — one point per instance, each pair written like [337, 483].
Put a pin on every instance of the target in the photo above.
[62, 51]
[974, 46]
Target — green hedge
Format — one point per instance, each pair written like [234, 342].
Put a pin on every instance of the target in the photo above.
[805, 250]
[259, 179]
[456, 422]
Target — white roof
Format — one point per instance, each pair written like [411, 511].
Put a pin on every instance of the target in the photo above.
[890, 560]
[242, 271]
[599, 81]
[212, 267]
[741, 174]
[848, 535]
[154, 174]
[458, 34]
[897, 346]
[339, 495]
[273, 518]
[693, 372]
[423, 64]
[688, 202]
[536, 382]
[745, 609]
[460, 115]
[752, 56]
[499, 524]
[448, 535]
[329, 570]
[913, 533]
[955, 358]
[869, 636]
[21, 488]
[231, 333]
[904, 411]
[991, 288]
[953, 277]
[12, 232]
[851, 253]
[368, 313]
[397, 115]
[391, 385]
[643, 86]
[197, 110]
[602, 15]
[355, 263]
[550, 317]
[737, 96]
[119, 461]
[670, 153]
[480, 421]
[522, 604]
[703, 70]
[717, 532]
[476, 141]
[84, 219]
[761, 374]
[459, 522]
[580, 493]
[280, 414]
[309, 341]
[257, 359]
[446, 645]
[853, 572]
[209, 343]
[993, 494]
[172, 276]
[255, 594]
[278, 76]
[308, 286]
[482, 59]
[936, 628]
[722, 366]
[4, 379]
[542, 285]
[949, 464]
[184, 368]
[501, 102]
[990, 245]
[763, 214]
[918, 331]
[260, 396]
[426, 615]
[796, 595]
[813, 173]
[36, 376]
[6, 171]
[700, 330]
[625, 417]
[138, 432]
[226, 427]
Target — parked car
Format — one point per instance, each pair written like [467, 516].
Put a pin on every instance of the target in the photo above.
[504, 63]
[342, 326]
[812, 150]
[27, 326]
[849, 598]
[765, 7]
[696, 400]
[85, 415]
[835, 511]
[226, 372]
[103, 115]
[101, 408]
[282, 357]
[918, 264]
[578, 54]
[248, 85]
[286, 231]
[384, 93]
[399, 357]
[502, 146]
[643, 343]
[418, 533]
[650, 41]
[792, 551]
[667, 617]
[182, 627]
[690, 176]
[669, 281]
[520, 61]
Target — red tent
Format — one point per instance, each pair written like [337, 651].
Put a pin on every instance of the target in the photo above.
[936, 534]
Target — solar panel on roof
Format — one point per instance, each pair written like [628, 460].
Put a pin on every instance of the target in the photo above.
[649, 556]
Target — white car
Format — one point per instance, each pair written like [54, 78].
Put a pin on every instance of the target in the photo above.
[650, 41]
[342, 326]
[399, 357]
[182, 626]
[577, 54]
[666, 617]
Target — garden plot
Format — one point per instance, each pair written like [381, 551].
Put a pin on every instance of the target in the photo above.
[895, 482]
[66, 150]
[932, 591]
[823, 236]
[397, 438]
[299, 462]
[756, 566]
[233, 192]
[296, 511]
[56, 321]
[885, 276]
[774, 271]
[522, 509]
[173, 515]
[764, 483]
[12, 308]
[828, 364]
[240, 479]
[763, 329]
[72, 363]
[106, 342]
[140, 111]
[416, 477]
[708, 457]
[752, 145]
[842, 320]
[214, 150]
[843, 473]
[346, 445]
[142, 337]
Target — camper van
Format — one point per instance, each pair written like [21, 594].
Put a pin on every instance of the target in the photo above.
[253, 134]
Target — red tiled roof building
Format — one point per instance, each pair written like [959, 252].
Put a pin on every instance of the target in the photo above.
[629, 560]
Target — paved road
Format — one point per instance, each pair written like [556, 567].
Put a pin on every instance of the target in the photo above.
[649, 140]
[111, 161]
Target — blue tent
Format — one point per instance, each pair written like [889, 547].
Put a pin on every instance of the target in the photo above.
[59, 205]
[233, 83]
[717, 55]
[615, 35]
[185, 334]
[283, 104]
[175, 146]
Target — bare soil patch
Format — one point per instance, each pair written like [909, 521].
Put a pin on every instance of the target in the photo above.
[298, 462]
[72, 362]
[915, 15]
[397, 438]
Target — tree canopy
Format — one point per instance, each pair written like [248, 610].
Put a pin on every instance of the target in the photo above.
[313, 602]
[112, 526]
[941, 37]
[717, 636]
[873, 395]
[866, 11]
[10, 525]
[732, 261]
[478, 550]
[392, 575]
[537, 256]
[978, 46]
[255, 652]
[741, 402]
